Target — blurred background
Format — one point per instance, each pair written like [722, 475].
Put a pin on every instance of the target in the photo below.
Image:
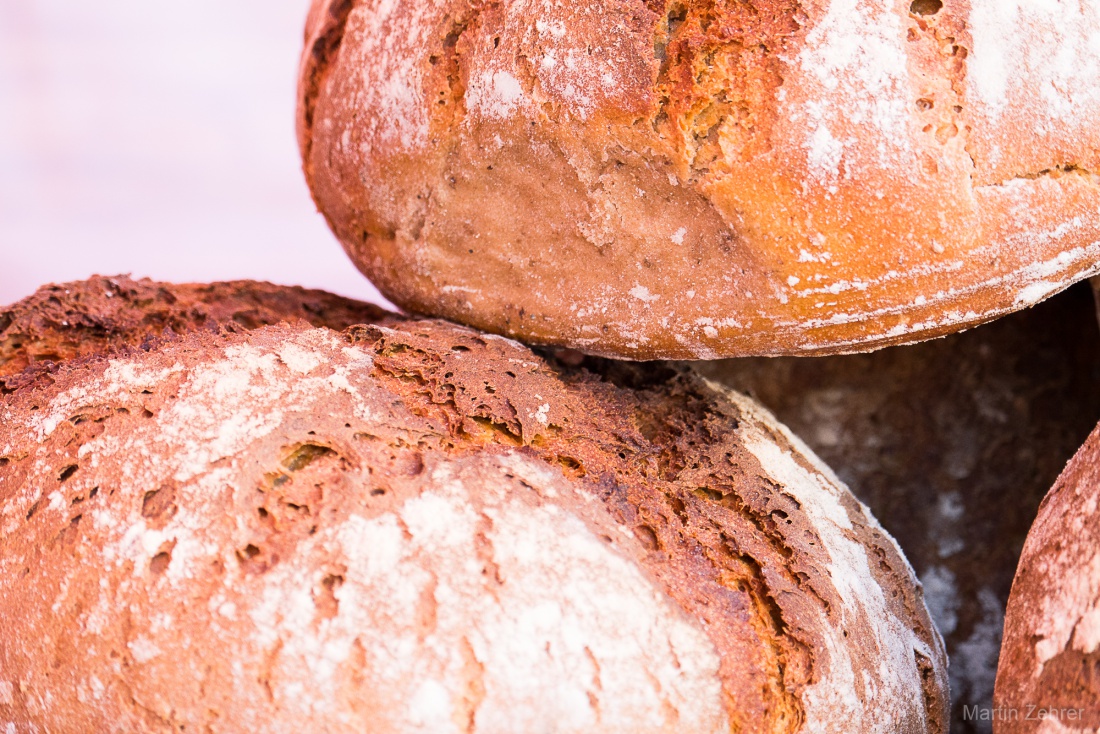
[156, 139]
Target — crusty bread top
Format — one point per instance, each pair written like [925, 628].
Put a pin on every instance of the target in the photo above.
[1052, 627]
[203, 506]
[696, 179]
[84, 318]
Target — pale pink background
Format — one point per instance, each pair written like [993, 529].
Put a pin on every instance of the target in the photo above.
[156, 138]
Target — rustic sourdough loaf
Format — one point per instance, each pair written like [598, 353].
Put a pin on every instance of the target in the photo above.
[1048, 679]
[416, 527]
[690, 179]
[952, 444]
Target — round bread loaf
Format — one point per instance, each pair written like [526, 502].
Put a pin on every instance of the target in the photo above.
[689, 179]
[415, 527]
[952, 444]
[1047, 679]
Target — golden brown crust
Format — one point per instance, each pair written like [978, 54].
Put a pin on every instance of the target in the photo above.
[952, 444]
[703, 179]
[1047, 671]
[85, 318]
[324, 31]
[258, 447]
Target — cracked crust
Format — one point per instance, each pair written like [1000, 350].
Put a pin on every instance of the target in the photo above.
[415, 513]
[85, 318]
[1051, 648]
[767, 177]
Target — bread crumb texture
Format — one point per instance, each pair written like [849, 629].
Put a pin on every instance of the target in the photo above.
[416, 527]
[1051, 649]
[703, 178]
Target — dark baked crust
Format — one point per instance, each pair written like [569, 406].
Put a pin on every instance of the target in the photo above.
[718, 505]
[85, 318]
[952, 444]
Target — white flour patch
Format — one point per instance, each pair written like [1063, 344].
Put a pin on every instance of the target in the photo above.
[855, 68]
[1053, 44]
[564, 621]
[825, 152]
[495, 94]
[895, 676]
[299, 360]
[391, 82]
[1086, 636]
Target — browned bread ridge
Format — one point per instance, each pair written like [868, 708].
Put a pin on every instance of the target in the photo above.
[83, 318]
[419, 527]
[952, 444]
[1048, 679]
[696, 179]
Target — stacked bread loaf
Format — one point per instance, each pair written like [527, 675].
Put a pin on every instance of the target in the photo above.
[239, 507]
[698, 179]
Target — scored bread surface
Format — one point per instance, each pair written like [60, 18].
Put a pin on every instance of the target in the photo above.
[688, 179]
[418, 527]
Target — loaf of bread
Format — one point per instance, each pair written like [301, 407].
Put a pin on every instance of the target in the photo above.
[417, 527]
[1047, 678]
[688, 179]
[952, 444]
